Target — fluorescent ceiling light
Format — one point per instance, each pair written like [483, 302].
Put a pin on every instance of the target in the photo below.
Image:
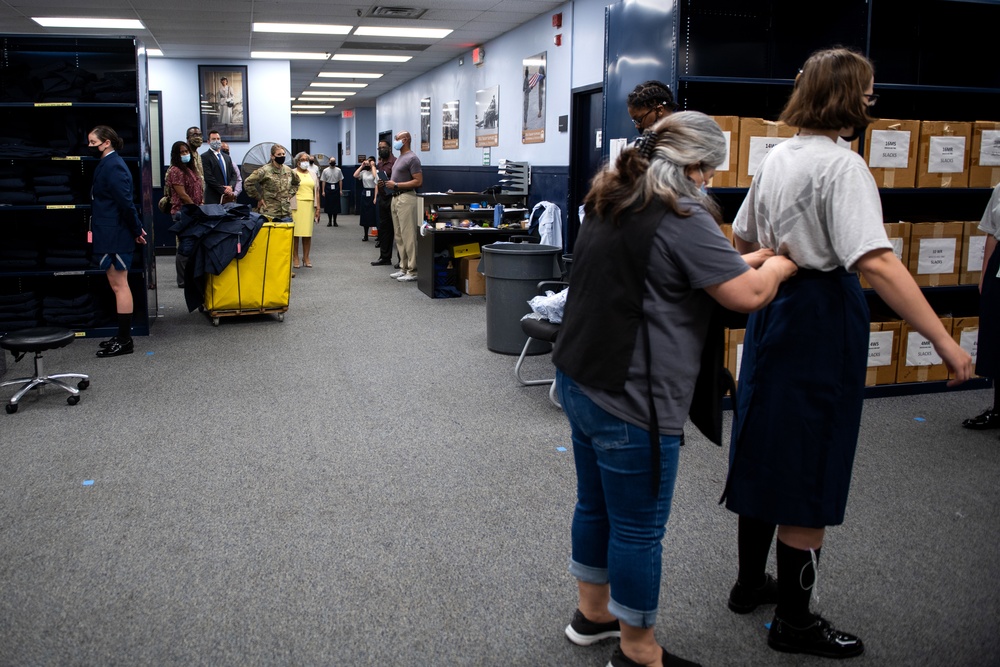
[76, 22]
[371, 59]
[350, 75]
[417, 33]
[340, 85]
[289, 55]
[312, 106]
[303, 28]
[308, 113]
[320, 99]
[156, 53]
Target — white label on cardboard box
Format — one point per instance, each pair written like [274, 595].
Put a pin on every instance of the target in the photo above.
[976, 254]
[759, 147]
[946, 156]
[989, 150]
[919, 351]
[879, 348]
[969, 341]
[897, 247]
[729, 145]
[936, 256]
[739, 359]
[890, 149]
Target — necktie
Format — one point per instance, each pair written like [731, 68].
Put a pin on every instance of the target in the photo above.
[222, 163]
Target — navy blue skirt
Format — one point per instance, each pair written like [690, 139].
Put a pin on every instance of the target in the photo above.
[331, 199]
[799, 401]
[988, 350]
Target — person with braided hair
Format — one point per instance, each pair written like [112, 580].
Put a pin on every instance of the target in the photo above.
[652, 261]
[649, 102]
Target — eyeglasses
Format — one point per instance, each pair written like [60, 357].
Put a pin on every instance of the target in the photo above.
[638, 122]
[871, 97]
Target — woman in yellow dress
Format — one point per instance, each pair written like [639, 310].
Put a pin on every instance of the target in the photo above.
[306, 213]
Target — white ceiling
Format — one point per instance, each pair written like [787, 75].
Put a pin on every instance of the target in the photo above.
[222, 29]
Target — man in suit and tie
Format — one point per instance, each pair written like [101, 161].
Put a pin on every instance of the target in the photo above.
[220, 176]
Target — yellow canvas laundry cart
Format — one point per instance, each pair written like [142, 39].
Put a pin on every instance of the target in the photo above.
[258, 283]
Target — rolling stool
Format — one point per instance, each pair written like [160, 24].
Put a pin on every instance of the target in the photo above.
[39, 340]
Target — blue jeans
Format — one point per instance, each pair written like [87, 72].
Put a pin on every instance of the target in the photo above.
[618, 524]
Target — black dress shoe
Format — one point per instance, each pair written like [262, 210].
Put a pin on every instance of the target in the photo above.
[117, 348]
[743, 599]
[817, 638]
[395, 266]
[336, 225]
[329, 224]
[984, 422]
[107, 343]
[365, 239]
[381, 262]
[377, 243]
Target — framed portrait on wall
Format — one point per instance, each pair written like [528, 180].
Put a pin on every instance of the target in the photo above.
[487, 117]
[533, 91]
[223, 95]
[449, 125]
[425, 124]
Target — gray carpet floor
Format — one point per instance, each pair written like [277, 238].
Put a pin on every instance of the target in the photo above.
[366, 484]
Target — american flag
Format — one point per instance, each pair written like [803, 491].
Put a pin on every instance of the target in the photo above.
[535, 78]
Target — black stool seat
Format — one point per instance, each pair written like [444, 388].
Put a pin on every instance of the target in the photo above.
[540, 329]
[38, 340]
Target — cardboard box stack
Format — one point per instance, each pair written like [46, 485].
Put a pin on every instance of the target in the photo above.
[965, 331]
[726, 173]
[883, 353]
[899, 236]
[973, 251]
[918, 362]
[891, 152]
[984, 165]
[943, 155]
[936, 252]
[734, 352]
[470, 280]
[757, 138]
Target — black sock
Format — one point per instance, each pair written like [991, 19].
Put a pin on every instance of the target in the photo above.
[754, 541]
[124, 326]
[796, 578]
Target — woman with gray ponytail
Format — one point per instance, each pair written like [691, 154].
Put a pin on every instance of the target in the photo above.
[647, 267]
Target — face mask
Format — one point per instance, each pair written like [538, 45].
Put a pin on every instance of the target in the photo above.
[332, 165]
[280, 159]
[383, 153]
[215, 145]
[196, 142]
[95, 150]
[312, 161]
[398, 145]
[304, 165]
[186, 158]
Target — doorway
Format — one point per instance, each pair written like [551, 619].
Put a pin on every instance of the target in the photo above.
[584, 152]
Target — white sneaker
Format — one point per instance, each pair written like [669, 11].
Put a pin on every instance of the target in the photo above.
[406, 278]
[397, 274]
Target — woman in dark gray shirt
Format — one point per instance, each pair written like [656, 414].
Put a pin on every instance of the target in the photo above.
[648, 266]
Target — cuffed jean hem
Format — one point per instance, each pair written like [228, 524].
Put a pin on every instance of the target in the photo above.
[588, 575]
[632, 617]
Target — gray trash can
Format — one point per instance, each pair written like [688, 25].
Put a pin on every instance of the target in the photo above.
[345, 202]
[513, 271]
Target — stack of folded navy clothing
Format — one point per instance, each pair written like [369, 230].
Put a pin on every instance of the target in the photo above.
[19, 254]
[15, 190]
[19, 311]
[62, 82]
[64, 253]
[15, 146]
[212, 236]
[115, 87]
[74, 312]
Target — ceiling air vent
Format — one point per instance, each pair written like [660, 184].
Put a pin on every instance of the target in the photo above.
[396, 12]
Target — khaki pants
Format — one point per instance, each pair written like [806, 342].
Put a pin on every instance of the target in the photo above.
[404, 224]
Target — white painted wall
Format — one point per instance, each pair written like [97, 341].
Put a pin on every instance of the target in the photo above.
[177, 79]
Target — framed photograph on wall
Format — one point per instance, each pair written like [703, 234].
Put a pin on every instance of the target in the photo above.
[533, 90]
[487, 117]
[449, 125]
[223, 95]
[425, 124]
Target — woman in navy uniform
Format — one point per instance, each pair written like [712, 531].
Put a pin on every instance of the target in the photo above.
[801, 385]
[116, 230]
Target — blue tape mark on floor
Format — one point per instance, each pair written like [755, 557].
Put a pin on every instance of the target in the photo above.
[149, 354]
[919, 419]
[88, 482]
[560, 449]
[768, 625]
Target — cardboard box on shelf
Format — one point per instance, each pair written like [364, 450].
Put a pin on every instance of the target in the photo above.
[727, 229]
[984, 163]
[891, 152]
[918, 362]
[883, 353]
[965, 331]
[936, 252]
[973, 251]
[726, 173]
[899, 236]
[734, 352]
[757, 138]
[470, 280]
[943, 154]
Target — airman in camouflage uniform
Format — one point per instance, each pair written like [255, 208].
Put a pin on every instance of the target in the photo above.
[273, 186]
